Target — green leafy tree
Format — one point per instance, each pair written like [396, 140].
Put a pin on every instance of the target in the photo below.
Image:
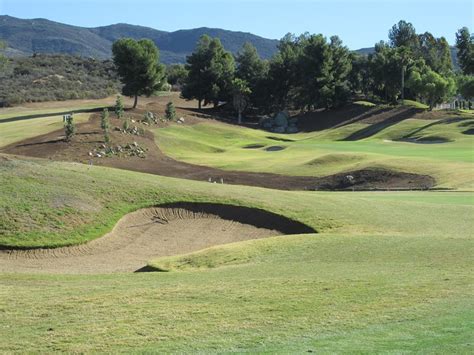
[119, 107]
[385, 68]
[430, 86]
[403, 34]
[210, 72]
[176, 74]
[69, 127]
[465, 46]
[170, 111]
[359, 77]
[282, 73]
[241, 92]
[465, 85]
[435, 52]
[105, 124]
[138, 66]
[253, 70]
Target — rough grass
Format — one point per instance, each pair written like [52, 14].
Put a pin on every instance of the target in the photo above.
[46, 203]
[416, 104]
[388, 272]
[365, 103]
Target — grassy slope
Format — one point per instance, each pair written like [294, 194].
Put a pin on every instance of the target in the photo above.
[322, 153]
[389, 271]
[50, 204]
[11, 132]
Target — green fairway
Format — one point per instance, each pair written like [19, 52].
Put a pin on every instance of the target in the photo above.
[387, 271]
[15, 131]
[325, 152]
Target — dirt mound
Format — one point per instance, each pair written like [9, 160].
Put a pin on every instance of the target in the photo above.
[165, 230]
[375, 179]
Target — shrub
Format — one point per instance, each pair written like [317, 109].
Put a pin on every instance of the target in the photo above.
[119, 106]
[170, 112]
[69, 127]
[105, 124]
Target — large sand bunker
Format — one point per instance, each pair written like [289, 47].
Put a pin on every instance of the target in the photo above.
[165, 230]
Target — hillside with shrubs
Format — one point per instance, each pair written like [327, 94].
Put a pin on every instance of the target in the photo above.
[56, 77]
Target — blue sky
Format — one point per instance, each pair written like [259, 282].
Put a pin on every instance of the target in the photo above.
[358, 23]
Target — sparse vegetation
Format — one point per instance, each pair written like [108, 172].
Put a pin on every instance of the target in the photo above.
[56, 78]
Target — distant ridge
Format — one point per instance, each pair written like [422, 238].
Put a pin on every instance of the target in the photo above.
[25, 37]
[28, 36]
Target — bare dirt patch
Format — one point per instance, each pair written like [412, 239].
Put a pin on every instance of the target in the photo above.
[375, 179]
[165, 230]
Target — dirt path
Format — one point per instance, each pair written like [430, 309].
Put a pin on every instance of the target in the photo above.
[150, 233]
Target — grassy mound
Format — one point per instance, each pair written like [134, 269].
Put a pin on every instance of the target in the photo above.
[323, 153]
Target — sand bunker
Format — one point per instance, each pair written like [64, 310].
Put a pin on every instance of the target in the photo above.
[253, 146]
[153, 232]
[274, 148]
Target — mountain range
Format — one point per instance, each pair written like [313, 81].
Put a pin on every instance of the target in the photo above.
[27, 36]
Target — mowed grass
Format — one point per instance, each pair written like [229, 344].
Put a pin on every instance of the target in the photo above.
[387, 272]
[412, 145]
[15, 131]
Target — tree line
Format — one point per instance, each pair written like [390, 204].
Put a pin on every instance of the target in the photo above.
[308, 72]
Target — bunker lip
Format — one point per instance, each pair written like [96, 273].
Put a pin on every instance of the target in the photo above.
[253, 146]
[164, 230]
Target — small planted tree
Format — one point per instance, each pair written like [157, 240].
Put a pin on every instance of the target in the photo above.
[241, 92]
[105, 124]
[126, 125]
[119, 107]
[170, 112]
[69, 127]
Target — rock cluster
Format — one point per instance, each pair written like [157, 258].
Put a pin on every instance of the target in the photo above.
[128, 150]
[281, 123]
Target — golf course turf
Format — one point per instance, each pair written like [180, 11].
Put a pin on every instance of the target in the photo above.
[365, 271]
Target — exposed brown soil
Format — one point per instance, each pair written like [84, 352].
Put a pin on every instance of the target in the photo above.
[373, 179]
[154, 232]
[89, 137]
